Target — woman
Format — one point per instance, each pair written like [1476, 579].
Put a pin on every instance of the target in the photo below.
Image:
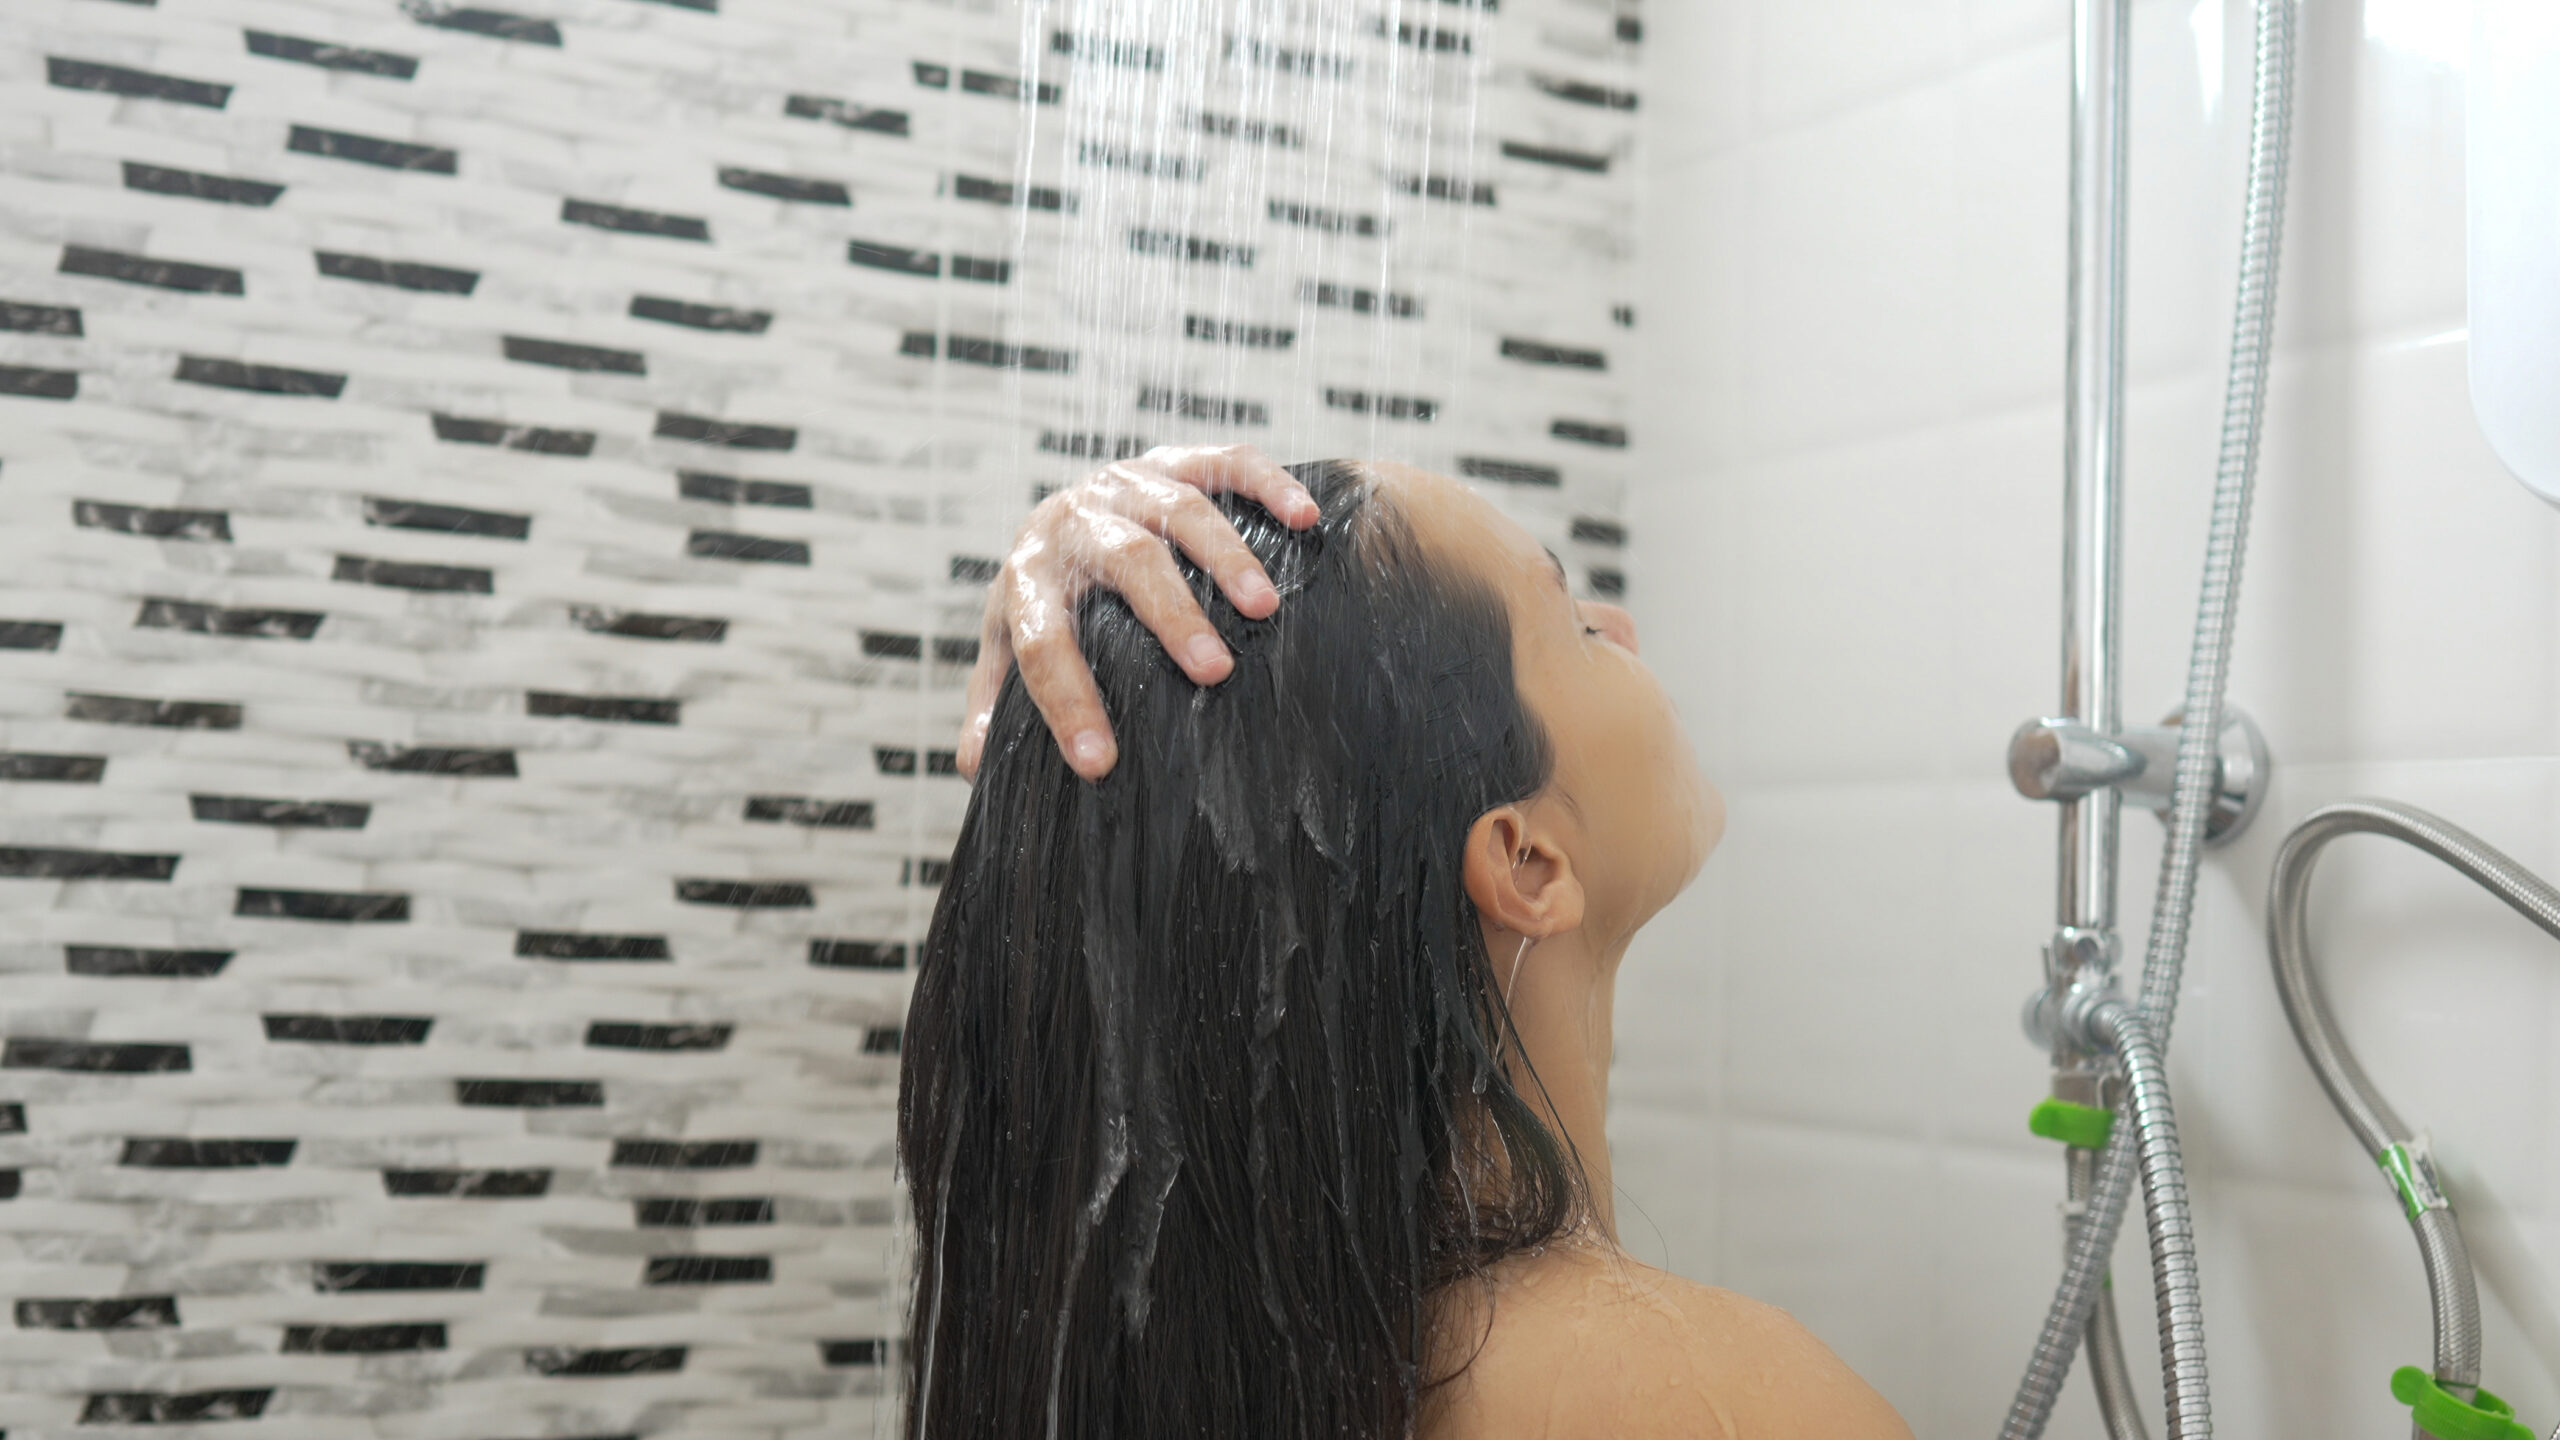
[1256, 1074]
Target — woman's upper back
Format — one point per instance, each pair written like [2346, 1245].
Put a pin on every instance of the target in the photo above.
[1580, 1342]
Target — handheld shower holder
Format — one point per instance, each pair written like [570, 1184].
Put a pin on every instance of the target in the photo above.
[2062, 759]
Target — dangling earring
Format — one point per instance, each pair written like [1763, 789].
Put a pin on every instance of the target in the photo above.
[1515, 973]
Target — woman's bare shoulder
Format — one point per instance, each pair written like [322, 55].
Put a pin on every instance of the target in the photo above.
[1582, 1341]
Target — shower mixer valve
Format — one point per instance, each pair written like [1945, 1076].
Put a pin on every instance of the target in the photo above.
[2064, 759]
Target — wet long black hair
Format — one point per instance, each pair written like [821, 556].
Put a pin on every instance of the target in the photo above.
[1203, 1097]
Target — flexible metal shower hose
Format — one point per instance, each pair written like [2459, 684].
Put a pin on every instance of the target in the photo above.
[2451, 1291]
[2244, 400]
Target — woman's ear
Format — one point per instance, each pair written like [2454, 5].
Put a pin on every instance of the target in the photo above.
[1519, 876]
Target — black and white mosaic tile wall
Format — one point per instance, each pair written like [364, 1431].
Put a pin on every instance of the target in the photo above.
[492, 512]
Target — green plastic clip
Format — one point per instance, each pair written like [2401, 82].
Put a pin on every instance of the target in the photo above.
[2413, 1175]
[2441, 1415]
[2085, 1126]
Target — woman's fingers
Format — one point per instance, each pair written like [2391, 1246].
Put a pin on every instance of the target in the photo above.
[1190, 519]
[1240, 468]
[986, 682]
[1135, 564]
[1061, 685]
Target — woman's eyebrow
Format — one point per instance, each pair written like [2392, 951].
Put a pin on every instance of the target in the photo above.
[1561, 582]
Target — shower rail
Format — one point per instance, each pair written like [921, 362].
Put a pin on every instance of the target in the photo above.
[2401, 1153]
[2080, 983]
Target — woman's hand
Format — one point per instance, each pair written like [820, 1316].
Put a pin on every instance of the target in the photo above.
[1113, 530]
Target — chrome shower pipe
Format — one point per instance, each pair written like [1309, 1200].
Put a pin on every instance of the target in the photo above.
[2453, 1296]
[2093, 468]
[2193, 792]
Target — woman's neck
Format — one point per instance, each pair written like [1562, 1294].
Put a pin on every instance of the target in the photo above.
[1561, 1002]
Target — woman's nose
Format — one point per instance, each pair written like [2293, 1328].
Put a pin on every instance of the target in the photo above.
[1614, 622]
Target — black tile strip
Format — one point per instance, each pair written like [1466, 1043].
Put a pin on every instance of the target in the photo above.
[1584, 93]
[344, 906]
[400, 274]
[30, 634]
[888, 645]
[1319, 217]
[344, 1277]
[413, 575]
[932, 76]
[942, 762]
[983, 271]
[1216, 409]
[1599, 532]
[264, 379]
[801, 810]
[445, 519]
[32, 319]
[730, 490]
[1191, 247]
[13, 1118]
[847, 114]
[9, 1184]
[634, 222]
[349, 1029]
[734, 435]
[159, 614]
[700, 317]
[463, 430]
[707, 1270]
[174, 1407]
[1229, 332]
[285, 813]
[1393, 407]
[468, 1184]
[138, 710]
[138, 84]
[581, 945]
[1608, 584]
[27, 862]
[63, 769]
[1554, 155]
[372, 150]
[1257, 132]
[188, 1152]
[159, 274]
[1103, 50]
[529, 1094]
[396, 1338]
[747, 894]
[684, 1154]
[974, 569]
[688, 1213]
[896, 258]
[796, 188]
[160, 524]
[115, 1312]
[496, 24]
[894, 760]
[1511, 472]
[856, 1352]
[882, 1039]
[27, 1052]
[566, 356]
[727, 545]
[639, 1360]
[139, 961]
[977, 350]
[1002, 192]
[630, 1035]
[1005, 87]
[621, 709]
[188, 184]
[1541, 352]
[331, 57]
[1590, 432]
[38, 383]
[431, 760]
[1452, 188]
[955, 649]
[1331, 296]
[857, 955]
[695, 629]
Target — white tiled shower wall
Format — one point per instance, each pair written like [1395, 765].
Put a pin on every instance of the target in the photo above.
[1847, 534]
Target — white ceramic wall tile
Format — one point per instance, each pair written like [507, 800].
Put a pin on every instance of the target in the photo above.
[1814, 57]
[1888, 485]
